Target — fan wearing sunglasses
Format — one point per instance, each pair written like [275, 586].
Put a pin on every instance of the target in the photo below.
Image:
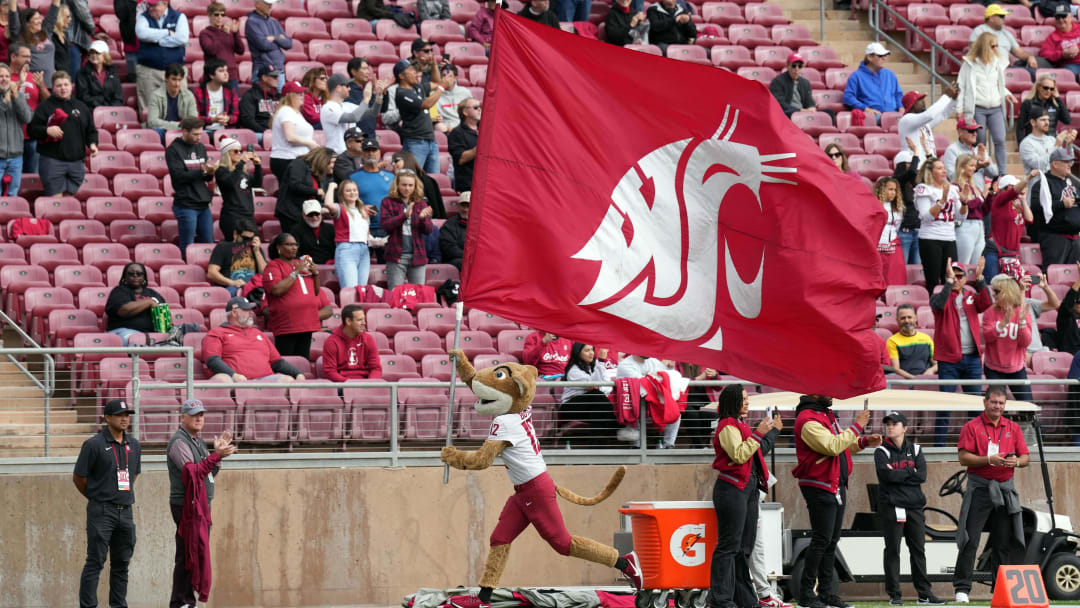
[1044, 94]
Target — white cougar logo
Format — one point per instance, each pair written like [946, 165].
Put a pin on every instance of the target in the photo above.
[673, 195]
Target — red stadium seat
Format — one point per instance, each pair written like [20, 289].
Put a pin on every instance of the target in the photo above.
[206, 299]
[111, 163]
[870, 166]
[398, 367]
[153, 162]
[512, 342]
[369, 414]
[15, 279]
[14, 207]
[93, 185]
[792, 35]
[351, 30]
[843, 122]
[182, 276]
[774, 57]
[462, 11]
[295, 70]
[58, 208]
[198, 254]
[436, 367]
[1031, 253]
[969, 15]
[885, 144]
[390, 321]
[51, 255]
[472, 343]
[749, 35]
[926, 17]
[765, 13]
[828, 99]
[915, 295]
[465, 53]
[330, 10]
[386, 29]
[73, 277]
[329, 51]
[376, 51]
[266, 414]
[132, 232]
[1018, 80]
[103, 255]
[319, 413]
[1018, 17]
[441, 31]
[136, 141]
[837, 77]
[1033, 35]
[493, 325]
[136, 185]
[93, 299]
[1066, 81]
[417, 344]
[813, 123]
[759, 73]
[156, 209]
[81, 232]
[1053, 363]
[1056, 274]
[823, 58]
[156, 255]
[106, 209]
[437, 320]
[40, 301]
[722, 13]
[850, 143]
[68, 323]
[116, 118]
[688, 52]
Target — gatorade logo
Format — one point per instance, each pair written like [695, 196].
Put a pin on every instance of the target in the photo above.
[688, 545]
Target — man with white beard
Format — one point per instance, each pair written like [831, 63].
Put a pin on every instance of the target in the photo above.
[316, 237]
[239, 351]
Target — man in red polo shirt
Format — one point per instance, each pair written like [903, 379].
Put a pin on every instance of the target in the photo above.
[238, 351]
[991, 447]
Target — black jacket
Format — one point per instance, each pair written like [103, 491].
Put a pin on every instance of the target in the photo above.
[547, 17]
[1064, 220]
[373, 9]
[319, 246]
[783, 89]
[452, 241]
[901, 471]
[433, 197]
[906, 174]
[664, 30]
[1068, 326]
[346, 165]
[190, 183]
[1055, 110]
[237, 200]
[617, 26]
[90, 91]
[251, 115]
[295, 187]
[461, 140]
[79, 129]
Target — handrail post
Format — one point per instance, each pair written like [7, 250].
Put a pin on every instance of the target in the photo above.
[821, 14]
[49, 378]
[189, 379]
[395, 426]
[933, 81]
[135, 394]
[643, 427]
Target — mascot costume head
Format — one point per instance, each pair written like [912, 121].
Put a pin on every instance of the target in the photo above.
[505, 392]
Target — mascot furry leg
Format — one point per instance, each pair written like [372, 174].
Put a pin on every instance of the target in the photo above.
[506, 392]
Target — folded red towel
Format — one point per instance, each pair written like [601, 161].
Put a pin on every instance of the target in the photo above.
[57, 119]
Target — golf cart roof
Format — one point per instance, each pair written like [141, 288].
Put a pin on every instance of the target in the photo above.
[888, 399]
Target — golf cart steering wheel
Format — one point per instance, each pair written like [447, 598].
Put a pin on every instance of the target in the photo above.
[954, 484]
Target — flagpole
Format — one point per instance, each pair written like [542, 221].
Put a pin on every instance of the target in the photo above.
[458, 309]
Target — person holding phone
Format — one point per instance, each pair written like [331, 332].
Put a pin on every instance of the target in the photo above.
[741, 474]
[901, 471]
[236, 175]
[234, 263]
[992, 447]
[296, 303]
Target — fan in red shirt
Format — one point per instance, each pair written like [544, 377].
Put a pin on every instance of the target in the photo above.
[1009, 216]
[297, 305]
[991, 447]
[238, 351]
[350, 352]
[548, 353]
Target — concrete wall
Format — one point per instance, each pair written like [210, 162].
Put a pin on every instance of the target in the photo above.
[361, 535]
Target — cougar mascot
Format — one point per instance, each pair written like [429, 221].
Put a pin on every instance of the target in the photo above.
[506, 392]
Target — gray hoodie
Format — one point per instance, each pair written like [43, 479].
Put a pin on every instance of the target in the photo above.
[14, 114]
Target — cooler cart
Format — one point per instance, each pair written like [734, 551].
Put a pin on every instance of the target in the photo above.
[674, 542]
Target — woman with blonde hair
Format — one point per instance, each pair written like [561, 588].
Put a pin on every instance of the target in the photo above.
[61, 44]
[887, 190]
[352, 222]
[940, 207]
[97, 84]
[1006, 332]
[970, 233]
[1044, 94]
[236, 182]
[316, 92]
[983, 94]
[406, 218]
[291, 133]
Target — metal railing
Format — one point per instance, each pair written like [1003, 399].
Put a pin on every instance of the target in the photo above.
[47, 382]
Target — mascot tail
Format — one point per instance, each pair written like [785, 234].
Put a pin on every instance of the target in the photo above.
[616, 479]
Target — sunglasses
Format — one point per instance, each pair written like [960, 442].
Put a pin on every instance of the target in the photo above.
[314, 214]
[1046, 88]
[406, 171]
[425, 50]
[135, 273]
[796, 65]
[836, 154]
[476, 107]
[217, 14]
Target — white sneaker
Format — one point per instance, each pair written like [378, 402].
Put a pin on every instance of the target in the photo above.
[961, 597]
[628, 434]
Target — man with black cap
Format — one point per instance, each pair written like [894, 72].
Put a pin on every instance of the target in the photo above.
[351, 159]
[105, 474]
[339, 115]
[901, 471]
[238, 351]
[423, 57]
[259, 102]
[462, 144]
[1057, 215]
[1035, 149]
[185, 448]
[417, 129]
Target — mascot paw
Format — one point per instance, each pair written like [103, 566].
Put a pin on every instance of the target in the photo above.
[458, 355]
[448, 453]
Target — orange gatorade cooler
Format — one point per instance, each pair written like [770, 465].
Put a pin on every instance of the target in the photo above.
[674, 541]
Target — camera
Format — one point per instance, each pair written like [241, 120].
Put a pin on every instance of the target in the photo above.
[251, 147]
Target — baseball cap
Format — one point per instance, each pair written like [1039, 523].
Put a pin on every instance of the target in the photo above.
[370, 144]
[995, 9]
[267, 70]
[238, 302]
[292, 87]
[227, 143]
[895, 417]
[419, 43]
[1008, 180]
[1062, 154]
[353, 133]
[311, 206]
[464, 198]
[192, 407]
[337, 80]
[960, 267]
[910, 99]
[963, 125]
[117, 406]
[1061, 10]
[903, 156]
[100, 47]
[401, 66]
[795, 57]
[876, 48]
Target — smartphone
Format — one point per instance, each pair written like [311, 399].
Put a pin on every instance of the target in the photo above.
[251, 147]
[1035, 280]
[769, 412]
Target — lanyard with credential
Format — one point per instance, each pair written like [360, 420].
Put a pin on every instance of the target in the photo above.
[123, 479]
[127, 457]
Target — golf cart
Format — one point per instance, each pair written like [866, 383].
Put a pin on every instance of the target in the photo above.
[1050, 540]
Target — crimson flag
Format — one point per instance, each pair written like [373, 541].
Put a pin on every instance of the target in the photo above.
[668, 209]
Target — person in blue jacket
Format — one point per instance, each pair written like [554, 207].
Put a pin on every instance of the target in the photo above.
[267, 40]
[873, 88]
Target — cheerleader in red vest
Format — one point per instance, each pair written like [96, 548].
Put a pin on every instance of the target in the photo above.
[741, 472]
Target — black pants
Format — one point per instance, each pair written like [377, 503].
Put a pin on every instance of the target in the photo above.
[277, 167]
[1006, 550]
[1057, 249]
[296, 345]
[109, 531]
[826, 519]
[592, 408]
[1021, 392]
[736, 530]
[914, 532]
[934, 255]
